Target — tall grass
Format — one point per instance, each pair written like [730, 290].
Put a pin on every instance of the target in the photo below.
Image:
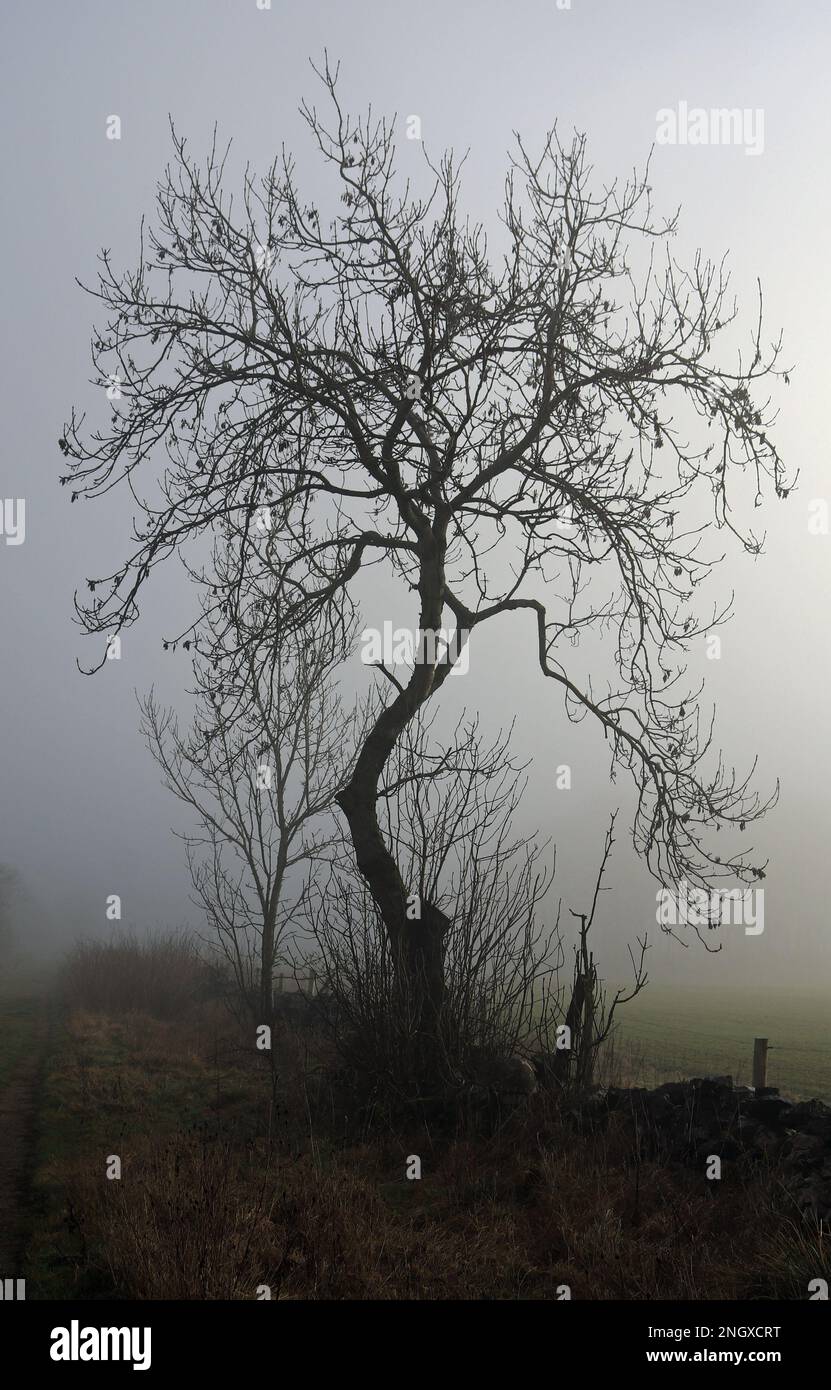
[160, 974]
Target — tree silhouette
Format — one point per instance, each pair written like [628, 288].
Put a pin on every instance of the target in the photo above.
[332, 388]
[260, 765]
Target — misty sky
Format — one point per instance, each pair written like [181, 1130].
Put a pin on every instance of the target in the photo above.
[82, 814]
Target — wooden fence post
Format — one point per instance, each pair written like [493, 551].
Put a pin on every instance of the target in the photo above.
[760, 1063]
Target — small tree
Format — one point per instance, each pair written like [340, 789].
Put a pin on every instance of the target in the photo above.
[569, 1058]
[260, 764]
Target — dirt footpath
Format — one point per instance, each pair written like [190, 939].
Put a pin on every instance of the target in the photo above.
[24, 1033]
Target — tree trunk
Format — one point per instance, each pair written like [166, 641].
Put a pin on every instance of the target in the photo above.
[267, 973]
[270, 930]
[417, 945]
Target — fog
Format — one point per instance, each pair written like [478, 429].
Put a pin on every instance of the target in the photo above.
[82, 813]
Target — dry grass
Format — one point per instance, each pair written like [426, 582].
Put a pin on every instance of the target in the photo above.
[237, 1176]
[160, 975]
[202, 1218]
[243, 1169]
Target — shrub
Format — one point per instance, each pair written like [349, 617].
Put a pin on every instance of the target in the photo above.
[160, 974]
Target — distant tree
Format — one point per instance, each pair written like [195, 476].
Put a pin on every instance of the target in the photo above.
[9, 883]
[507, 435]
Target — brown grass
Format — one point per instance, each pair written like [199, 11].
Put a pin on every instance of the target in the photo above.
[202, 1218]
[237, 1176]
[243, 1169]
[160, 975]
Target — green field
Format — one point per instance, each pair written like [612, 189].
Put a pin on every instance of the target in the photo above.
[666, 1034]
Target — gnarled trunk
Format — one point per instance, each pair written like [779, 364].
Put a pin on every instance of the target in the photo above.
[418, 945]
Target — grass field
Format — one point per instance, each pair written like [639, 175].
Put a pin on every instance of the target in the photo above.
[664, 1035]
[222, 1195]
[238, 1175]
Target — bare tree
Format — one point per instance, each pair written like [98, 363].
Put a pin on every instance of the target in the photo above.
[506, 434]
[571, 1058]
[260, 765]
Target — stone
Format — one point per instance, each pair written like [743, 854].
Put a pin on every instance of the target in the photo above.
[811, 1117]
[686, 1121]
[804, 1150]
[506, 1075]
[771, 1110]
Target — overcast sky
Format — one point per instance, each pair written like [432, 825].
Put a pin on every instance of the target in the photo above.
[82, 814]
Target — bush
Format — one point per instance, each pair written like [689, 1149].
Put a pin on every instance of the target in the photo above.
[160, 974]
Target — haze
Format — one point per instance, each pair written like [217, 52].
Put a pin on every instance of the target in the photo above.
[82, 813]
